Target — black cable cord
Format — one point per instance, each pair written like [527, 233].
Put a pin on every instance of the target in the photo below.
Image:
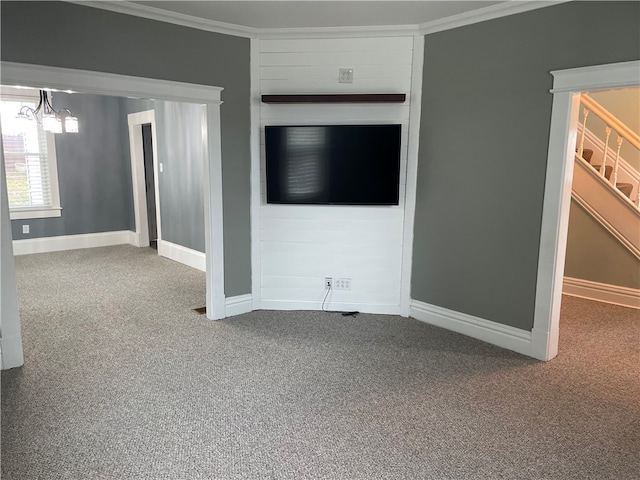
[344, 314]
[325, 298]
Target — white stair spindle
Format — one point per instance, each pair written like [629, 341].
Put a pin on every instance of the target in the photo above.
[614, 177]
[603, 168]
[585, 114]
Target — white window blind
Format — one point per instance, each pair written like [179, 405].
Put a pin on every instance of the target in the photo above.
[27, 163]
[30, 159]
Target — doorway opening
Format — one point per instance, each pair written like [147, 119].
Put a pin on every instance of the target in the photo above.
[208, 97]
[568, 86]
[603, 250]
[145, 170]
[149, 184]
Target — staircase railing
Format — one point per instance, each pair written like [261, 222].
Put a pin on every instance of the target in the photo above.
[622, 133]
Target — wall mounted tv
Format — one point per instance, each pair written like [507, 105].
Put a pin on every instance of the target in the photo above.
[333, 164]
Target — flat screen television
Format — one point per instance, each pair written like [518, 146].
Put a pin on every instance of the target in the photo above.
[333, 164]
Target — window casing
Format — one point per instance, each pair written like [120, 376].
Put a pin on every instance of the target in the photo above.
[30, 159]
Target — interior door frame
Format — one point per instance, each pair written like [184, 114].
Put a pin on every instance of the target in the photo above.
[567, 87]
[138, 175]
[99, 83]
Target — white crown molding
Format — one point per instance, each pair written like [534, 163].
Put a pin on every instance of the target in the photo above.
[152, 13]
[340, 32]
[510, 7]
[507, 8]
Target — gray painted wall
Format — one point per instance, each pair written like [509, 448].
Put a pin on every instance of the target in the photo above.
[180, 149]
[179, 145]
[93, 174]
[94, 169]
[594, 254]
[73, 36]
[483, 148]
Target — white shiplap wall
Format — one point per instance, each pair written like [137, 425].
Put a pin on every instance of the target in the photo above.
[301, 245]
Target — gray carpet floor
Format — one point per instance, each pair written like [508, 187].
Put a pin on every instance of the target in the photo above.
[123, 381]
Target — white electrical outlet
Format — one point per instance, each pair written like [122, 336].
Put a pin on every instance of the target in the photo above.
[328, 282]
[25, 228]
[342, 284]
[345, 75]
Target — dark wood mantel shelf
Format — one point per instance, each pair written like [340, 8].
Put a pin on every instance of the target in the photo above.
[337, 98]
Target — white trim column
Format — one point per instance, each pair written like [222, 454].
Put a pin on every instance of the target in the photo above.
[555, 225]
[412, 174]
[256, 197]
[135, 121]
[213, 213]
[11, 355]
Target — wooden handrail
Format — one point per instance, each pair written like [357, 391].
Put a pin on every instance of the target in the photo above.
[629, 135]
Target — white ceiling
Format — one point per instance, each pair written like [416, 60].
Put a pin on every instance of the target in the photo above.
[319, 14]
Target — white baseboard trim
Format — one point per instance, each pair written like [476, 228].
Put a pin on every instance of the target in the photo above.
[238, 305]
[503, 336]
[602, 292]
[332, 307]
[27, 246]
[184, 255]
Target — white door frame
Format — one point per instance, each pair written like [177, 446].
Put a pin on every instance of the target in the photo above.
[10, 332]
[65, 79]
[567, 86]
[138, 176]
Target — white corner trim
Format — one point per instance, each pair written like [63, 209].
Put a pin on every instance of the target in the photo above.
[602, 292]
[161, 15]
[238, 305]
[596, 77]
[503, 9]
[255, 206]
[497, 334]
[184, 255]
[213, 211]
[100, 83]
[73, 242]
[412, 174]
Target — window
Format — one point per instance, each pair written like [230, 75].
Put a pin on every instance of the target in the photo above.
[30, 159]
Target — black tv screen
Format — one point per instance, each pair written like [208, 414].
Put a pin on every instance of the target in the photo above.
[333, 164]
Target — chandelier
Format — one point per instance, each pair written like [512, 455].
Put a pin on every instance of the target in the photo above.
[56, 121]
